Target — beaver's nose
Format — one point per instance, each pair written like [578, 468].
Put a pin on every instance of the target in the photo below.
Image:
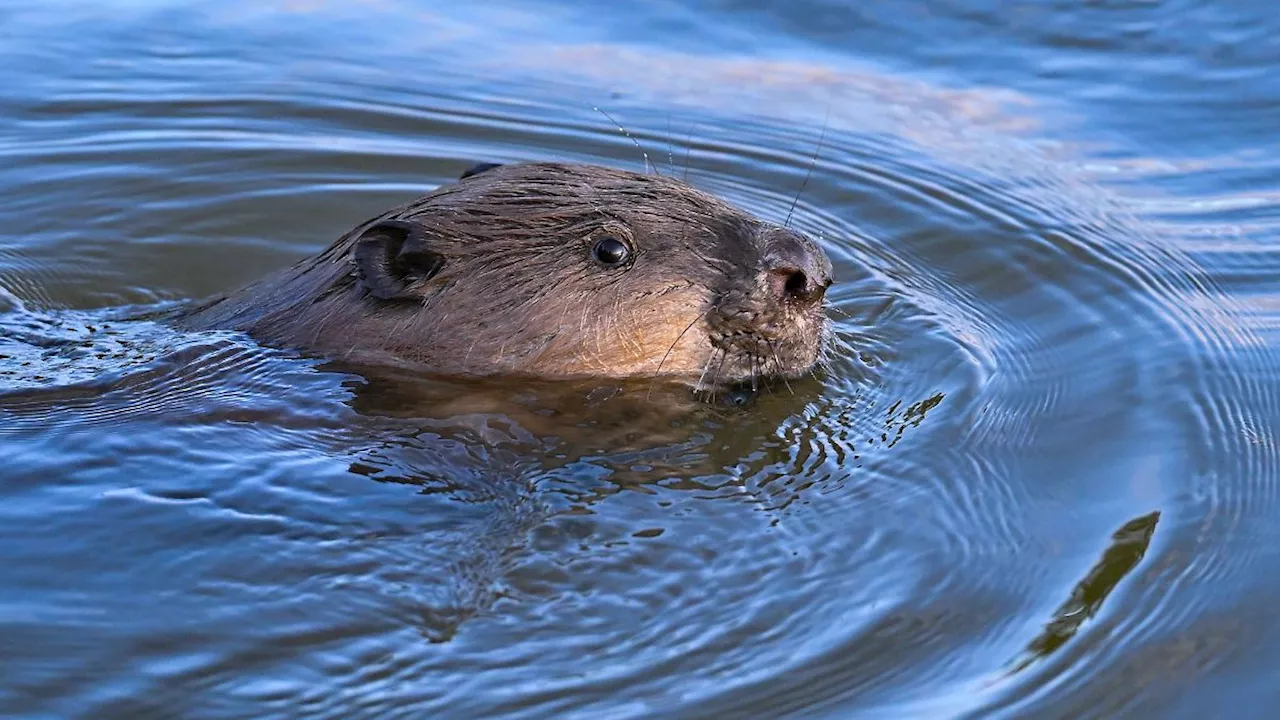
[797, 271]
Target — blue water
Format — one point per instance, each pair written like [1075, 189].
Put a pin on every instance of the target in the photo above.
[1040, 479]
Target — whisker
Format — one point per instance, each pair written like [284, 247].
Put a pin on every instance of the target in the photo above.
[647, 165]
[715, 379]
[688, 148]
[774, 349]
[671, 159]
[705, 367]
[840, 343]
[812, 161]
[667, 354]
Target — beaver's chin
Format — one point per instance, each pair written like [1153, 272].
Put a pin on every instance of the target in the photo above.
[756, 362]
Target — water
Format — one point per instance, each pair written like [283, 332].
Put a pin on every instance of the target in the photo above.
[1043, 484]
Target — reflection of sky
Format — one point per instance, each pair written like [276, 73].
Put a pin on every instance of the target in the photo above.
[233, 123]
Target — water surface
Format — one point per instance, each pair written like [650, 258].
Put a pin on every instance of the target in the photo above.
[1039, 479]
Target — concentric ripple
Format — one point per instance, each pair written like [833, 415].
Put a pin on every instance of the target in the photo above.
[1037, 476]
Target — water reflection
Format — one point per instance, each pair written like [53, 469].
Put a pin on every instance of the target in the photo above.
[1129, 544]
[1027, 362]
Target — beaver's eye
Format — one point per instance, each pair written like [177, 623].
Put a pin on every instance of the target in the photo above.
[610, 251]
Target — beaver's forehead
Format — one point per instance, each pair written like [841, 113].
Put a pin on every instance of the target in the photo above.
[549, 216]
[547, 204]
[551, 182]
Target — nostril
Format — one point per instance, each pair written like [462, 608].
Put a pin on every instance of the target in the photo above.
[796, 271]
[797, 285]
[794, 285]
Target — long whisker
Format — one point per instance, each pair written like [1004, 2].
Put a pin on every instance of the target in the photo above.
[812, 161]
[705, 367]
[647, 165]
[688, 148]
[671, 157]
[774, 349]
[667, 354]
[715, 379]
[837, 342]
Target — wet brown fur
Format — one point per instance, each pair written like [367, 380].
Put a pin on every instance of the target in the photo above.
[518, 291]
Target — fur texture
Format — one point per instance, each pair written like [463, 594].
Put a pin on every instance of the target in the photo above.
[495, 274]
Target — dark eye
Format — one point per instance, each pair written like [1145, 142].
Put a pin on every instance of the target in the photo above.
[610, 251]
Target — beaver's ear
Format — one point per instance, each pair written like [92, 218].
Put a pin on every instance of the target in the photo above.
[477, 169]
[392, 255]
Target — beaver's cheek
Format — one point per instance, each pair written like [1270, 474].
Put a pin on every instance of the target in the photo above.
[665, 334]
[617, 336]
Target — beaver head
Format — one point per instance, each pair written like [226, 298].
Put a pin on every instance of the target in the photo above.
[556, 270]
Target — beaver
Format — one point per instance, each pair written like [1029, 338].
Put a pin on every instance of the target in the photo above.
[553, 270]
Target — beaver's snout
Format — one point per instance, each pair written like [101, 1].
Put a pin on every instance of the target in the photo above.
[796, 271]
[770, 321]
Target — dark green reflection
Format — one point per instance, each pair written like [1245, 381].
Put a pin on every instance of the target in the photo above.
[1128, 545]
